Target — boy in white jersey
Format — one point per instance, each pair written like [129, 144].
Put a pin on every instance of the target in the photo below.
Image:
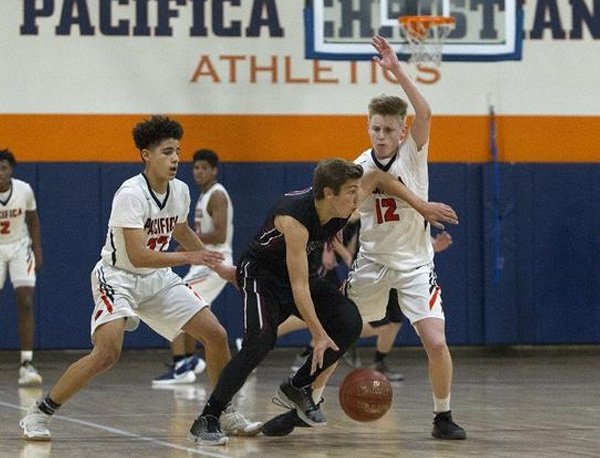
[20, 256]
[213, 223]
[133, 280]
[395, 246]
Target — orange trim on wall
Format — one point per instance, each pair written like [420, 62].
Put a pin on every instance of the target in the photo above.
[287, 138]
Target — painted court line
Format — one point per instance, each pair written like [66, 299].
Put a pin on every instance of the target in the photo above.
[121, 432]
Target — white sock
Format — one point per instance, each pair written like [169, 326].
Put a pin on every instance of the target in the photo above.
[318, 394]
[441, 405]
[26, 356]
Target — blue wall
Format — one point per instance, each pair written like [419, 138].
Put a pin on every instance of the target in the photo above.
[548, 247]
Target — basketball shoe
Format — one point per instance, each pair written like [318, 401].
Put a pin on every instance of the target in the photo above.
[234, 423]
[180, 372]
[351, 358]
[196, 363]
[35, 424]
[28, 375]
[381, 366]
[284, 424]
[445, 428]
[301, 399]
[207, 431]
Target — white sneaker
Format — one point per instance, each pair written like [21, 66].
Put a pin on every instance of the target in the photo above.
[35, 424]
[234, 423]
[28, 375]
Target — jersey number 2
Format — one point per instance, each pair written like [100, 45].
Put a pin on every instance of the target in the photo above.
[386, 210]
[4, 227]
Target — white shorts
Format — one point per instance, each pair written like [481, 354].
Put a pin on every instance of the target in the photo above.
[369, 284]
[17, 259]
[206, 282]
[161, 299]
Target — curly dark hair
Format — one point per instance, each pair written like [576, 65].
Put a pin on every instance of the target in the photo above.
[151, 132]
[7, 155]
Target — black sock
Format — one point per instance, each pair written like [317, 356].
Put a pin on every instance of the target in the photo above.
[177, 358]
[380, 356]
[189, 355]
[48, 406]
[214, 407]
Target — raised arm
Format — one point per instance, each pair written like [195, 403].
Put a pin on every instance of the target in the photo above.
[296, 239]
[388, 60]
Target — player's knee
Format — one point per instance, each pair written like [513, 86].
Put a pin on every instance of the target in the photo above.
[105, 358]
[436, 346]
[350, 326]
[216, 336]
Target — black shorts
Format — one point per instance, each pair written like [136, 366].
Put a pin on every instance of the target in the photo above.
[268, 300]
[393, 313]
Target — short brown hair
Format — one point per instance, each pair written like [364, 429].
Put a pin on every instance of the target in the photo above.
[334, 173]
[388, 105]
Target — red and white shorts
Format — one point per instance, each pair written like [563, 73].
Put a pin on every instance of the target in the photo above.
[161, 299]
[419, 295]
[17, 259]
[206, 282]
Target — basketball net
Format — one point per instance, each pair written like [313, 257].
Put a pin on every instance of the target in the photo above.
[425, 36]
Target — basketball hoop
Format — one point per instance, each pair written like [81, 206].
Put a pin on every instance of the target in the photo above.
[425, 36]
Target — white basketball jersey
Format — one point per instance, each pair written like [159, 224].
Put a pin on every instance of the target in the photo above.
[392, 233]
[19, 200]
[136, 206]
[204, 223]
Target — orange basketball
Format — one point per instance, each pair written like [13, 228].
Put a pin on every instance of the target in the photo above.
[365, 395]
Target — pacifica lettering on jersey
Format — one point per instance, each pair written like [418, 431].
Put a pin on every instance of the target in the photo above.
[160, 225]
[11, 213]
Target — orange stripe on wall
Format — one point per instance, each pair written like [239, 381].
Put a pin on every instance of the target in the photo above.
[286, 138]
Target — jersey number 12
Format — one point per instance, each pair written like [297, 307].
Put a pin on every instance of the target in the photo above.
[385, 210]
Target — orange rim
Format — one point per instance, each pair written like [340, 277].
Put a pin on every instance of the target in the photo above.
[425, 22]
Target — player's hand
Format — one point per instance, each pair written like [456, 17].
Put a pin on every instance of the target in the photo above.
[437, 213]
[320, 345]
[441, 241]
[387, 57]
[227, 272]
[206, 257]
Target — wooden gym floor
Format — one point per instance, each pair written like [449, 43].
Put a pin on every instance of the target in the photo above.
[513, 402]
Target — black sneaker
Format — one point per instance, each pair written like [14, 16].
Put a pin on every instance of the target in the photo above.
[301, 399]
[284, 424]
[381, 366]
[207, 431]
[445, 428]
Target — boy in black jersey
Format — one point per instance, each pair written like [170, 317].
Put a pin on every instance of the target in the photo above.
[277, 280]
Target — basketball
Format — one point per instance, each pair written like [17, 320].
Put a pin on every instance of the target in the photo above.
[365, 395]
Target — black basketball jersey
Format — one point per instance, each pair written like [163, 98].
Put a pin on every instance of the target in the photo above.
[267, 250]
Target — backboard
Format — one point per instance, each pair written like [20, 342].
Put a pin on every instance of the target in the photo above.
[485, 30]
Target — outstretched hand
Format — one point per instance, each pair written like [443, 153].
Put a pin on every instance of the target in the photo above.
[437, 213]
[387, 57]
[205, 257]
